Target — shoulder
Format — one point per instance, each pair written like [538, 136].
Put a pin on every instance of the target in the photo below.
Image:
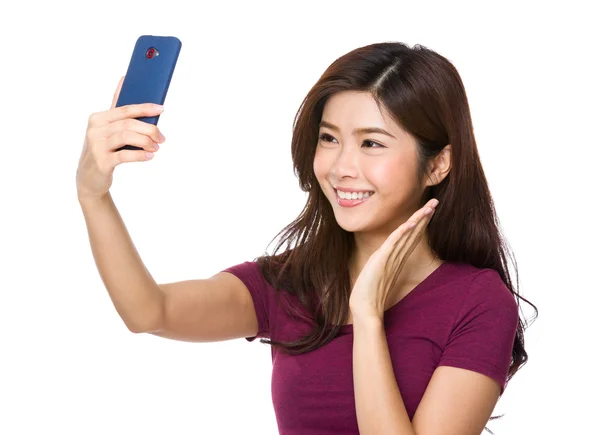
[248, 270]
[255, 275]
[484, 291]
[478, 281]
[488, 286]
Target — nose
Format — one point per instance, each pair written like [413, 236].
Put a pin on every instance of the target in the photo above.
[345, 163]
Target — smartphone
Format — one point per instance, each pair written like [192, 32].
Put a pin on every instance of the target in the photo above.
[149, 74]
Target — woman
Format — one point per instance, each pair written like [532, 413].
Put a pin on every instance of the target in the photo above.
[386, 311]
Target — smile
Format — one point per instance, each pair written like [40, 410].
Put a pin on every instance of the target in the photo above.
[347, 199]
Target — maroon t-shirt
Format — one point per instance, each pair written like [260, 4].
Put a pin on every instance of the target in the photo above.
[458, 316]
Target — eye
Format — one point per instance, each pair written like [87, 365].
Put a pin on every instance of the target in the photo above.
[377, 145]
[326, 137]
[370, 144]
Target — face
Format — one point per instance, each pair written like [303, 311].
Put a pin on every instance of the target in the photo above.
[383, 164]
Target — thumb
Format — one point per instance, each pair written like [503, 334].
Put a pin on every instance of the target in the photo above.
[117, 92]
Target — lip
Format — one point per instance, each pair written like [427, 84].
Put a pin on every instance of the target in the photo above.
[352, 202]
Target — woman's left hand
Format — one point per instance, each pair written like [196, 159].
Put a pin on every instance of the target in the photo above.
[369, 297]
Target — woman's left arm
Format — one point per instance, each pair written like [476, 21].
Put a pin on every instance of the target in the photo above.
[456, 402]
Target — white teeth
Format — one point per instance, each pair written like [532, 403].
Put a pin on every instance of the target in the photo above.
[353, 195]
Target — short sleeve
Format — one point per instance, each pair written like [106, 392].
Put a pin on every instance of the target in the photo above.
[484, 332]
[249, 273]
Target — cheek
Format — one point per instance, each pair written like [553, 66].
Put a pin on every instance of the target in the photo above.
[390, 176]
[320, 165]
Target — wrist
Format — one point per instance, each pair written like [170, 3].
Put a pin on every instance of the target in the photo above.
[88, 199]
[366, 318]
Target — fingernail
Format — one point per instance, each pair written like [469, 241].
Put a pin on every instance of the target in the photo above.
[156, 146]
[161, 136]
[435, 202]
[159, 107]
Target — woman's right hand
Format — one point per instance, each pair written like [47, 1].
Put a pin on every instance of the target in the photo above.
[108, 131]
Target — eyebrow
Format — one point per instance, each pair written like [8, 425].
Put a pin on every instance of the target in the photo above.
[356, 131]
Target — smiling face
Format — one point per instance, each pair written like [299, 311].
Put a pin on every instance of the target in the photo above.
[366, 160]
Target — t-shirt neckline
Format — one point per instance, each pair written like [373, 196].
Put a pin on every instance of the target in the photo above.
[419, 288]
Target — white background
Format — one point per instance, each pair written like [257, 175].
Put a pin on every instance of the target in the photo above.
[222, 186]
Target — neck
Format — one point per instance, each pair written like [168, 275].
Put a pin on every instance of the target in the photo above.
[418, 265]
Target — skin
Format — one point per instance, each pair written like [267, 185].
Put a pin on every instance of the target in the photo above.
[456, 401]
[386, 165]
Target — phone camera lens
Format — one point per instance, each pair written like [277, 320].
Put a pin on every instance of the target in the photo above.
[151, 52]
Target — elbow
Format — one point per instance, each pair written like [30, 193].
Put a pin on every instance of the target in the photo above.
[140, 327]
[151, 321]
[136, 329]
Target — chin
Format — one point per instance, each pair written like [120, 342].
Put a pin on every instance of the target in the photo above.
[354, 224]
[352, 219]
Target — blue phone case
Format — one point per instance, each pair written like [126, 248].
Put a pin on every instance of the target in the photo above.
[149, 74]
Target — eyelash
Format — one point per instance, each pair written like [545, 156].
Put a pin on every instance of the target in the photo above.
[323, 136]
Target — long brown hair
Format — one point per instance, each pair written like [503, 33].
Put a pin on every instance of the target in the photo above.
[425, 95]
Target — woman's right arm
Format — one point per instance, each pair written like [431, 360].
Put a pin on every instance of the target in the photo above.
[214, 309]
[203, 310]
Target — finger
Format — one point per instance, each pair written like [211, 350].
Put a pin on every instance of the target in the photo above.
[419, 219]
[390, 254]
[123, 112]
[128, 137]
[433, 202]
[405, 240]
[117, 93]
[418, 215]
[411, 238]
[396, 252]
[133, 111]
[127, 156]
[137, 126]
[397, 235]
[413, 221]
[419, 222]
[395, 261]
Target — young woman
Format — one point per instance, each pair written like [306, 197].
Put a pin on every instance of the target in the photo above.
[386, 311]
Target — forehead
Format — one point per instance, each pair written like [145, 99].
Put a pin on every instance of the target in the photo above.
[356, 109]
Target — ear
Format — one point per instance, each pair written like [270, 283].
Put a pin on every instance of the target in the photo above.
[439, 167]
